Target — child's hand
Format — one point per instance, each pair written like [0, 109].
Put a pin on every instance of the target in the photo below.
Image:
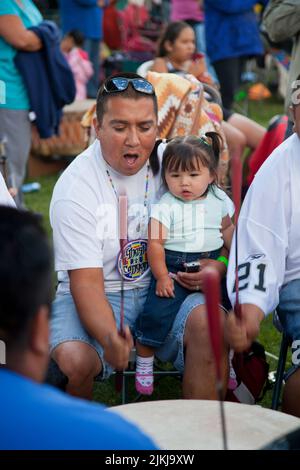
[13, 192]
[165, 287]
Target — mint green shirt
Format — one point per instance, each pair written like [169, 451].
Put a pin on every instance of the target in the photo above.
[193, 226]
[13, 94]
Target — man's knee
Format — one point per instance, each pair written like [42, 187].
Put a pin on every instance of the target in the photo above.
[77, 360]
[197, 324]
[197, 327]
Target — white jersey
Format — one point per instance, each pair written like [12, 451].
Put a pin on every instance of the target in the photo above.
[5, 197]
[269, 230]
[85, 222]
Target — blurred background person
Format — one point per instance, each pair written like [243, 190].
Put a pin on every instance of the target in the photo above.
[175, 54]
[78, 60]
[191, 12]
[232, 36]
[87, 17]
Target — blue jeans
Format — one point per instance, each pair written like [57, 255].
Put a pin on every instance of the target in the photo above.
[65, 324]
[155, 322]
[288, 311]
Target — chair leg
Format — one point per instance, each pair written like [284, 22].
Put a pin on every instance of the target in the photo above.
[124, 389]
[280, 371]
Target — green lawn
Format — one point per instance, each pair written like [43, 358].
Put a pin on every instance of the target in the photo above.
[168, 387]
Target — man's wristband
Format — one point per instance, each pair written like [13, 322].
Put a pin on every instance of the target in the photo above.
[224, 260]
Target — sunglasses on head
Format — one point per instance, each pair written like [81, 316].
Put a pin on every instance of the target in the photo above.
[121, 84]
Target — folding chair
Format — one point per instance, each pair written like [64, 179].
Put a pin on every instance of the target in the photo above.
[285, 343]
[159, 371]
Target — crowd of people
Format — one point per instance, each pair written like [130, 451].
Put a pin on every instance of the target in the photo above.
[143, 286]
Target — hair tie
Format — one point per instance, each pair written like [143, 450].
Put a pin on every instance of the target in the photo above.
[204, 141]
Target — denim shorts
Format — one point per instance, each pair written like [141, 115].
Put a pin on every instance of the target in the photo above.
[66, 326]
[156, 320]
[288, 311]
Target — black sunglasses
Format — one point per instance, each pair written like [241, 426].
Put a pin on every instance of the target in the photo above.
[121, 84]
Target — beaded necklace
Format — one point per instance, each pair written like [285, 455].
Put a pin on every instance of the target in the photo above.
[138, 228]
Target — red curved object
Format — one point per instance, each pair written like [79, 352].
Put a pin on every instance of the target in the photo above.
[211, 288]
[236, 184]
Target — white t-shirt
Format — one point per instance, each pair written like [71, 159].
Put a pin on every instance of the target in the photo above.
[269, 230]
[193, 226]
[5, 198]
[84, 216]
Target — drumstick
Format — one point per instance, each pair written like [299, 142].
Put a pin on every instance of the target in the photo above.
[211, 289]
[123, 241]
[236, 183]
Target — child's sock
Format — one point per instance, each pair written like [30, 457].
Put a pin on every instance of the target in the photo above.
[232, 382]
[144, 375]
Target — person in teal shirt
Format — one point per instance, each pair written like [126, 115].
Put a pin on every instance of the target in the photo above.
[16, 16]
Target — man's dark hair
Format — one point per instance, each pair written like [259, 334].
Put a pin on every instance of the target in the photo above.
[25, 274]
[130, 92]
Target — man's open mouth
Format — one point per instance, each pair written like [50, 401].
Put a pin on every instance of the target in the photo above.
[131, 158]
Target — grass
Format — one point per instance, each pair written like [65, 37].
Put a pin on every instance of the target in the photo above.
[168, 387]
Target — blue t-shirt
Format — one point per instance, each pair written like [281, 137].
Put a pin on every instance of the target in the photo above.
[39, 417]
[84, 15]
[13, 94]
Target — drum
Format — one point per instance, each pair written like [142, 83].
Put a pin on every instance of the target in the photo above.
[72, 137]
[196, 424]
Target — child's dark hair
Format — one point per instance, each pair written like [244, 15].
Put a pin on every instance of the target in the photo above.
[171, 33]
[77, 37]
[185, 154]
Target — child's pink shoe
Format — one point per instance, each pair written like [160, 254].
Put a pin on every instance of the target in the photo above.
[144, 383]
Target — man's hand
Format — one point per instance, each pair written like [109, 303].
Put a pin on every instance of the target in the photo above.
[194, 281]
[117, 349]
[165, 287]
[241, 332]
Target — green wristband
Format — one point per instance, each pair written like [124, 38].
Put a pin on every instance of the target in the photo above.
[224, 260]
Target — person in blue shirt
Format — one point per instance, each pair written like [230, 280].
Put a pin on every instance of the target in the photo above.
[232, 36]
[16, 16]
[34, 415]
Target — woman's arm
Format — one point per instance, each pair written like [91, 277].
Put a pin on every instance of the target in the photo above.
[14, 33]
[159, 65]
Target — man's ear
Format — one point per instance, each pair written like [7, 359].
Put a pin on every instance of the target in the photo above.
[39, 332]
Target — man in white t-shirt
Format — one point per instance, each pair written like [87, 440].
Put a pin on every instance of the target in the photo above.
[85, 340]
[5, 197]
[269, 254]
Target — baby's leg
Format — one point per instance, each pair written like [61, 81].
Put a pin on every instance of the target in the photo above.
[144, 369]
